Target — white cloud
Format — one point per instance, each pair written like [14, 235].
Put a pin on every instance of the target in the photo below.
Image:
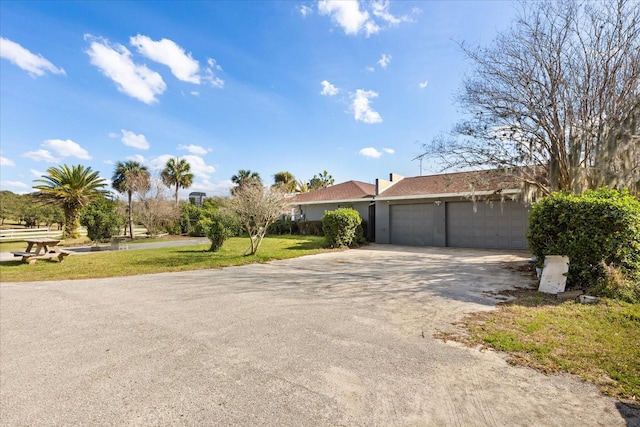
[195, 93]
[132, 140]
[361, 107]
[66, 148]
[305, 10]
[19, 187]
[220, 188]
[347, 14]
[138, 158]
[389, 150]
[115, 62]
[423, 84]
[199, 168]
[41, 156]
[384, 61]
[56, 149]
[167, 52]
[380, 9]
[6, 162]
[210, 76]
[194, 149]
[108, 162]
[36, 173]
[114, 135]
[328, 89]
[370, 152]
[370, 69]
[35, 65]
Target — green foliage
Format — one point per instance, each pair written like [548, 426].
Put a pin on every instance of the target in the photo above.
[71, 188]
[190, 216]
[177, 173]
[341, 227]
[218, 226]
[595, 229]
[310, 228]
[283, 226]
[101, 219]
[322, 180]
[286, 181]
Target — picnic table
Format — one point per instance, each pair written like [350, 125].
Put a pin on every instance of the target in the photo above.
[44, 249]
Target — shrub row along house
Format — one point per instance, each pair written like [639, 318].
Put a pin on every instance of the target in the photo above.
[478, 209]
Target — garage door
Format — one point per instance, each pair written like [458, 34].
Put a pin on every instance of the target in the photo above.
[412, 224]
[492, 226]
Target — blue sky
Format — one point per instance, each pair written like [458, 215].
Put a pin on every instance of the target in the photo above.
[351, 87]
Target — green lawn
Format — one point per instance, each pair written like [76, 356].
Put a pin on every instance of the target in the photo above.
[145, 261]
[600, 342]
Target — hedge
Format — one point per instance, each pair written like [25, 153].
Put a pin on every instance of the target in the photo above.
[598, 230]
[341, 227]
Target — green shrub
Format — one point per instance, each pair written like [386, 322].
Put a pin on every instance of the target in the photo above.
[283, 226]
[218, 226]
[101, 219]
[310, 228]
[341, 227]
[596, 230]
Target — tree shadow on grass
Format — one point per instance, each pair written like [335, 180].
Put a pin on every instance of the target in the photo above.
[308, 245]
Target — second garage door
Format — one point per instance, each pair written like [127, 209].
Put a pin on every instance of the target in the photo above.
[497, 225]
[412, 224]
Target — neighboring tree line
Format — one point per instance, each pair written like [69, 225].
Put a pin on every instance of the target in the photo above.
[25, 209]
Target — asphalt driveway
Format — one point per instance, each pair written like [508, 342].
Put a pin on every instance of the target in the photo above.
[342, 338]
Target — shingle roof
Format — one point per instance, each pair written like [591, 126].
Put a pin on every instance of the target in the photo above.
[350, 190]
[458, 182]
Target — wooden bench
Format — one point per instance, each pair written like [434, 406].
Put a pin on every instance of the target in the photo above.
[32, 257]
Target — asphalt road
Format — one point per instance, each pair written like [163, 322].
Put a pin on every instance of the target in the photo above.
[342, 338]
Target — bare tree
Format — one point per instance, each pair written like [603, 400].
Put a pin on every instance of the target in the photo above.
[559, 91]
[154, 210]
[257, 208]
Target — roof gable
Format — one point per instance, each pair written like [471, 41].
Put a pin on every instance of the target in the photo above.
[350, 190]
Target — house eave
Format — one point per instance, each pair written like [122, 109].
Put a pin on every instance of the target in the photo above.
[324, 202]
[447, 195]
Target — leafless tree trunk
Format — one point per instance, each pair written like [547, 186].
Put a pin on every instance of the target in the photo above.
[559, 91]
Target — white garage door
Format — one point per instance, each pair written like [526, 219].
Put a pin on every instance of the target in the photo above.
[412, 224]
[499, 225]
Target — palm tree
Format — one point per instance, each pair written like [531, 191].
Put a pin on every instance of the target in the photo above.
[130, 177]
[285, 180]
[244, 177]
[70, 187]
[177, 172]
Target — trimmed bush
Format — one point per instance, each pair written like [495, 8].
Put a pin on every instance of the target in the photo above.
[342, 227]
[600, 233]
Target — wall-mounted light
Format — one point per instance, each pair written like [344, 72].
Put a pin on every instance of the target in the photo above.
[438, 202]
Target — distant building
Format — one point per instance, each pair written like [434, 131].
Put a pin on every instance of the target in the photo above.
[196, 198]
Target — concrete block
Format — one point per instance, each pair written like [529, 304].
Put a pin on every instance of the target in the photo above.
[554, 274]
